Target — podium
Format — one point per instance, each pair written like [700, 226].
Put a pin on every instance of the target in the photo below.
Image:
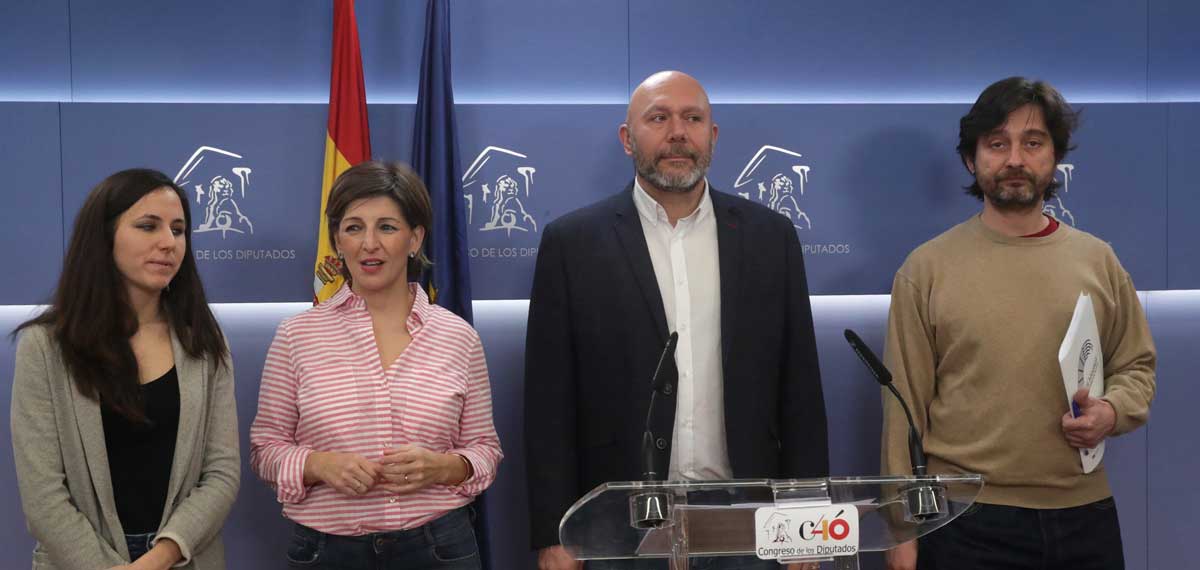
[678, 520]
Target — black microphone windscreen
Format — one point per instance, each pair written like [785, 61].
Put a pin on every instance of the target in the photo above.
[878, 370]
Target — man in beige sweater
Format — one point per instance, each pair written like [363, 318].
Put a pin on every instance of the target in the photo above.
[977, 316]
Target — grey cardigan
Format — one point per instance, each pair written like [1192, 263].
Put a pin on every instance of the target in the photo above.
[63, 473]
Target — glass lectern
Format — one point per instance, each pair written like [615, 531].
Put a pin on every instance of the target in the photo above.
[678, 520]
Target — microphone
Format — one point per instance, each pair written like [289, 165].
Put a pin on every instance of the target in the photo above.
[657, 382]
[651, 509]
[916, 451]
[924, 501]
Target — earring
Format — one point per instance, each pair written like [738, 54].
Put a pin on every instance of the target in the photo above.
[341, 257]
[412, 255]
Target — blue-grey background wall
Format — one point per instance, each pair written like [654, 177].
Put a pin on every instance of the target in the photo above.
[855, 102]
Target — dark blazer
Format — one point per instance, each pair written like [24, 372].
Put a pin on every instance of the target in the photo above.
[597, 327]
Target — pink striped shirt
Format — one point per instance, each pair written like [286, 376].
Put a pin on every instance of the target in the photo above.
[323, 389]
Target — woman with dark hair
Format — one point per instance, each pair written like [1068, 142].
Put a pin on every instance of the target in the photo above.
[374, 420]
[123, 422]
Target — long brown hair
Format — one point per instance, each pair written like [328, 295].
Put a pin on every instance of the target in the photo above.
[90, 316]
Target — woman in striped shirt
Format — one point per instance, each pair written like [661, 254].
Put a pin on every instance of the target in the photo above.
[374, 420]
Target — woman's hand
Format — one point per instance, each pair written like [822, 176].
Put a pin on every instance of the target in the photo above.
[410, 468]
[162, 556]
[348, 473]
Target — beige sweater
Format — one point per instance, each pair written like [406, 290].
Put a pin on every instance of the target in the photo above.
[973, 334]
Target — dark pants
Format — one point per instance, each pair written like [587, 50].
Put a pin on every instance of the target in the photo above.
[138, 544]
[995, 536]
[447, 542]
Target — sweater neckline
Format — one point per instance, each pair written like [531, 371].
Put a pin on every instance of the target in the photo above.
[976, 224]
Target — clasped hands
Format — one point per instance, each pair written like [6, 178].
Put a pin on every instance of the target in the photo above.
[400, 470]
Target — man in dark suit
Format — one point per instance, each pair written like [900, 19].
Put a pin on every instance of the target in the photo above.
[614, 279]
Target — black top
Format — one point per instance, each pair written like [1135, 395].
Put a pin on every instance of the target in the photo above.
[140, 455]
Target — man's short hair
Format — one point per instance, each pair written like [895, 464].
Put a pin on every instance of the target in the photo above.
[1002, 98]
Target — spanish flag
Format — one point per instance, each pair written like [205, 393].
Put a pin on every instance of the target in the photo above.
[347, 140]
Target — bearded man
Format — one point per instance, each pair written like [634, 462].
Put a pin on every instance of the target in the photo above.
[613, 280]
[976, 320]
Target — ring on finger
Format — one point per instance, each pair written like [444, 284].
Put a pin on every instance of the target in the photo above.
[406, 478]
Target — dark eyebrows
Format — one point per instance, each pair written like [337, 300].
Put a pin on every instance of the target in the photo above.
[157, 218]
[1000, 132]
[359, 219]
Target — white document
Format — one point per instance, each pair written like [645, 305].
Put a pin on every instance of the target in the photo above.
[1082, 364]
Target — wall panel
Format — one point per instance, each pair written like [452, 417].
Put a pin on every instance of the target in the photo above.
[539, 51]
[1183, 197]
[35, 51]
[1174, 58]
[865, 51]
[256, 240]
[31, 220]
[1173, 505]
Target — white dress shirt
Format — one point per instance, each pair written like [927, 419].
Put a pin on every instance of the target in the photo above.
[687, 268]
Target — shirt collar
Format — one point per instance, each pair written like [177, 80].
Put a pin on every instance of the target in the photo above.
[651, 211]
[346, 300]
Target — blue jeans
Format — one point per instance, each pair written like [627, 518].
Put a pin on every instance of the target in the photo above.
[446, 543]
[138, 544]
[1086, 537]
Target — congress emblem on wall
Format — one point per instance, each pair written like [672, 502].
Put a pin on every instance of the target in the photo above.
[496, 187]
[1056, 207]
[775, 178]
[218, 179]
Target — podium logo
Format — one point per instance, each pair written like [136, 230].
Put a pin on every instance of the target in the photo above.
[219, 179]
[778, 528]
[776, 178]
[1056, 207]
[496, 188]
[791, 533]
[836, 529]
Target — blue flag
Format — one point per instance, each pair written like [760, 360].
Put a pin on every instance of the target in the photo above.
[435, 159]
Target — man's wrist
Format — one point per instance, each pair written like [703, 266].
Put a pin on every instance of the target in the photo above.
[1112, 424]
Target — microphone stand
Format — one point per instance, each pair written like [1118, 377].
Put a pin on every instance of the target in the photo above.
[925, 501]
[651, 509]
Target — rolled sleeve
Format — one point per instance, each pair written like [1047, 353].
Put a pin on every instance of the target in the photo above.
[275, 456]
[477, 440]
